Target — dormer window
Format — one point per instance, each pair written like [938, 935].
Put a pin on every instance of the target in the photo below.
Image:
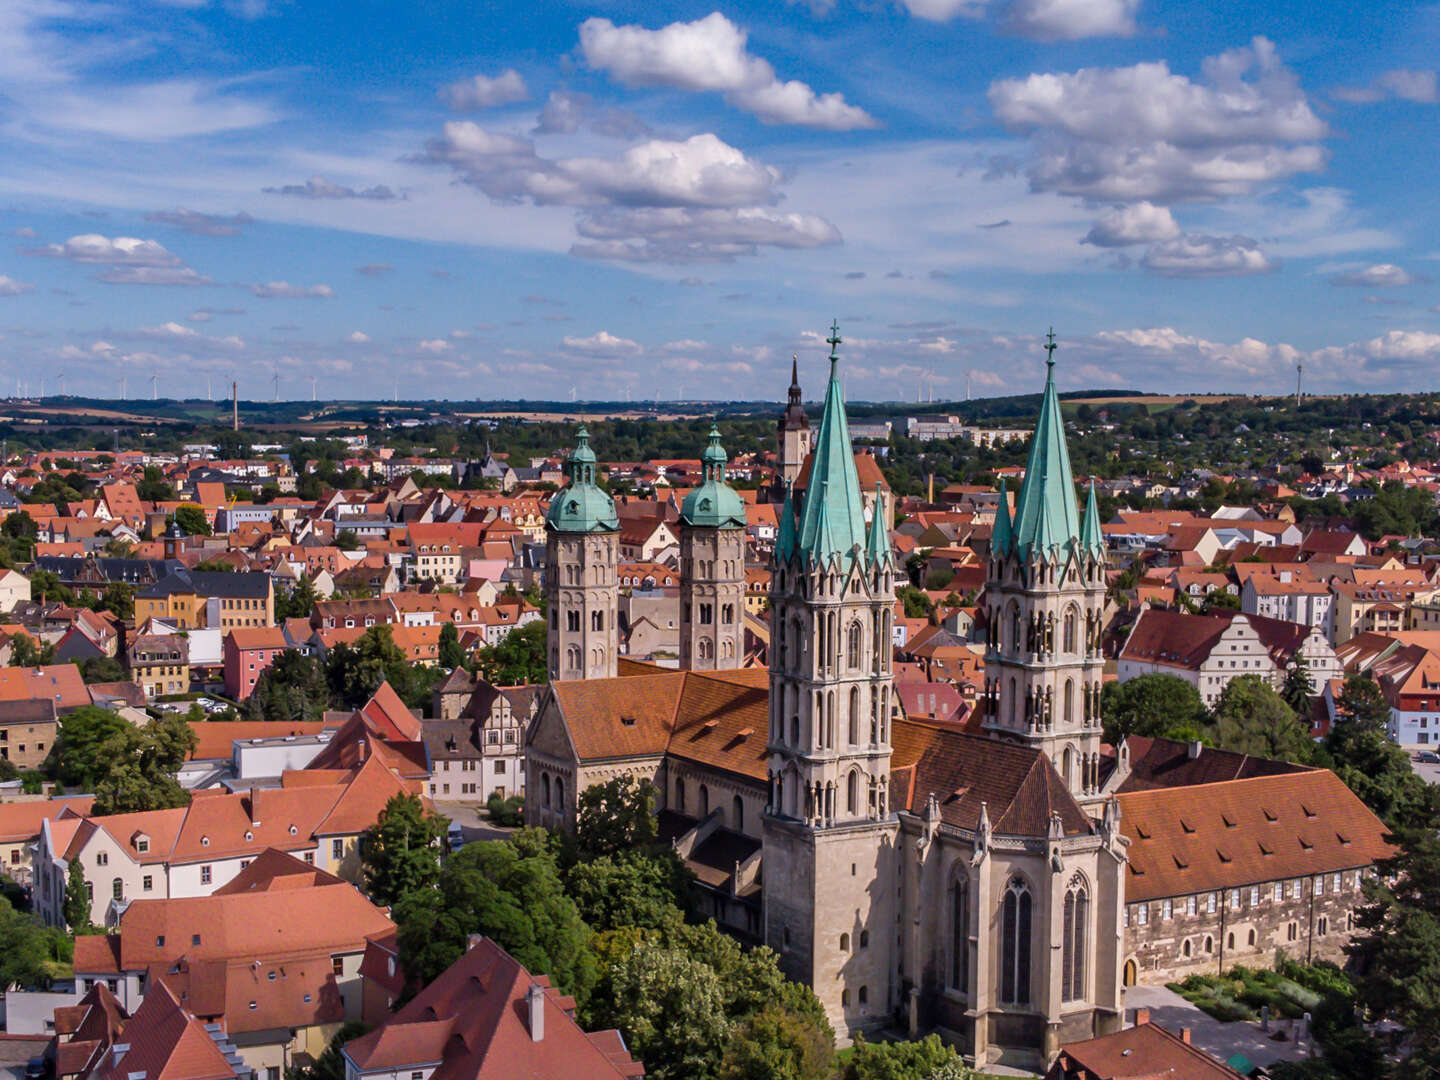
[293, 830]
[204, 841]
[142, 844]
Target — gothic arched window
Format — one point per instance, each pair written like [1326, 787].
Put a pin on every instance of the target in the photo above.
[1016, 628]
[960, 935]
[1074, 940]
[1015, 944]
[559, 795]
[854, 715]
[680, 795]
[545, 791]
[852, 793]
[852, 646]
[704, 801]
[737, 813]
[1069, 630]
[1069, 702]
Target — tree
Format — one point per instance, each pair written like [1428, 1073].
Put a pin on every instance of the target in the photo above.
[452, 653]
[26, 949]
[88, 741]
[192, 520]
[509, 890]
[298, 602]
[630, 888]
[519, 658]
[776, 1045]
[401, 851]
[128, 769]
[1250, 718]
[118, 599]
[293, 688]
[1397, 949]
[330, 1065]
[920, 1060]
[346, 540]
[25, 651]
[1154, 705]
[153, 487]
[618, 815]
[1219, 600]
[356, 671]
[1298, 687]
[917, 604]
[99, 669]
[76, 907]
[19, 525]
[1363, 756]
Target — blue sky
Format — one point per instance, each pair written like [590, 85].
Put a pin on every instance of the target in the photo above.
[496, 200]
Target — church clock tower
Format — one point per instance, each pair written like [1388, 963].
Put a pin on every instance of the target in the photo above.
[712, 569]
[1045, 598]
[793, 435]
[828, 829]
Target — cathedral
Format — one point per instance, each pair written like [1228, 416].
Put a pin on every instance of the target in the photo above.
[982, 882]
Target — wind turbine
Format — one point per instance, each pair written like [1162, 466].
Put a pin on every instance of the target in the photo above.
[60, 378]
[122, 387]
[209, 395]
[1299, 375]
[277, 382]
[154, 385]
[312, 386]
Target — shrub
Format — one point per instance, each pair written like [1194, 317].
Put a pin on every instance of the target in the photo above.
[507, 813]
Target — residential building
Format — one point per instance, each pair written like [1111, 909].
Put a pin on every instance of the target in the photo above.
[479, 750]
[248, 653]
[209, 598]
[160, 663]
[486, 1017]
[27, 732]
[1290, 598]
[1144, 1052]
[20, 824]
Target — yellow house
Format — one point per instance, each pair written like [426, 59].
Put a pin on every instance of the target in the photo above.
[160, 663]
[201, 599]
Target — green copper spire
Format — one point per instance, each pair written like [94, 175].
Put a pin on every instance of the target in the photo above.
[832, 518]
[714, 504]
[1090, 538]
[785, 530]
[877, 547]
[1000, 535]
[1047, 521]
[582, 507]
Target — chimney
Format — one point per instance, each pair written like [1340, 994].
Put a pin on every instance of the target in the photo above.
[1142, 1017]
[254, 808]
[535, 998]
[118, 1052]
[1185, 1035]
[1194, 750]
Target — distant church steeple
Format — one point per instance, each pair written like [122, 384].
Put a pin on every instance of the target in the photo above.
[793, 434]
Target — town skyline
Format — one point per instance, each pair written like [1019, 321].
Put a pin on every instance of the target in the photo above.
[623, 199]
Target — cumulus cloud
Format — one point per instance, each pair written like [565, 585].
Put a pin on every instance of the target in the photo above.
[178, 332]
[945, 10]
[710, 55]
[119, 251]
[659, 200]
[283, 290]
[434, 345]
[602, 343]
[317, 187]
[567, 112]
[1405, 84]
[152, 275]
[1144, 132]
[1068, 20]
[1379, 276]
[192, 221]
[1194, 256]
[1138, 223]
[484, 92]
[10, 287]
[357, 337]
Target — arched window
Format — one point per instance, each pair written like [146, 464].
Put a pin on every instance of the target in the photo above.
[680, 795]
[1068, 767]
[864, 939]
[852, 646]
[597, 620]
[960, 935]
[1069, 630]
[572, 656]
[559, 795]
[1016, 629]
[1015, 944]
[1250, 940]
[1209, 944]
[1230, 940]
[854, 715]
[864, 994]
[852, 793]
[545, 791]
[737, 813]
[1185, 948]
[704, 801]
[794, 731]
[1075, 940]
[705, 649]
[117, 889]
[1069, 701]
[845, 943]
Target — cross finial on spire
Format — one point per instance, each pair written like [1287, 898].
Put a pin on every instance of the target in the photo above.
[834, 340]
[1050, 347]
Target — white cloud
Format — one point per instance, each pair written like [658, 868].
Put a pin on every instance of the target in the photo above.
[178, 332]
[1379, 276]
[945, 10]
[10, 287]
[710, 55]
[434, 345]
[120, 251]
[1192, 256]
[1138, 223]
[169, 330]
[1143, 132]
[1406, 84]
[1068, 20]
[156, 112]
[483, 92]
[193, 221]
[684, 235]
[357, 337]
[566, 112]
[602, 343]
[153, 275]
[283, 290]
[317, 187]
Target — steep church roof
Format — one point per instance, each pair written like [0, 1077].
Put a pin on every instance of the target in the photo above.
[582, 507]
[832, 516]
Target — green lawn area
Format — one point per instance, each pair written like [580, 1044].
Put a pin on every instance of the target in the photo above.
[1241, 993]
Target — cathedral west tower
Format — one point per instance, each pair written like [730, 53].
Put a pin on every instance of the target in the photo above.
[712, 569]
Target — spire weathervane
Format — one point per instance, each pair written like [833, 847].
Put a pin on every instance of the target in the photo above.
[1050, 347]
[834, 342]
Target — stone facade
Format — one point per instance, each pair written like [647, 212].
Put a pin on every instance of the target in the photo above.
[712, 598]
[583, 593]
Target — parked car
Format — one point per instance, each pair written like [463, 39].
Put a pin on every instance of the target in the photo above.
[455, 835]
[1429, 757]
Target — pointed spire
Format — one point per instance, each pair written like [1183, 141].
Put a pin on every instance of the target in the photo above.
[832, 517]
[1090, 538]
[1000, 535]
[1047, 520]
[877, 547]
[785, 531]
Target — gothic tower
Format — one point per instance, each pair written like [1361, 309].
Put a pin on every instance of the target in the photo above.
[828, 829]
[793, 435]
[1045, 597]
[582, 551]
[712, 569]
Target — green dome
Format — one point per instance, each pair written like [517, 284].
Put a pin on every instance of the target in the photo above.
[714, 504]
[582, 507]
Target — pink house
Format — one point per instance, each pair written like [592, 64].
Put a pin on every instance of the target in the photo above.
[248, 651]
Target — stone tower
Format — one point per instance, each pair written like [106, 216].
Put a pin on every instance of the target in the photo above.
[793, 435]
[828, 829]
[1045, 597]
[712, 569]
[582, 552]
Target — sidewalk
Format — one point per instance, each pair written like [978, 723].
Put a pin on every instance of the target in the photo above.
[1221, 1040]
